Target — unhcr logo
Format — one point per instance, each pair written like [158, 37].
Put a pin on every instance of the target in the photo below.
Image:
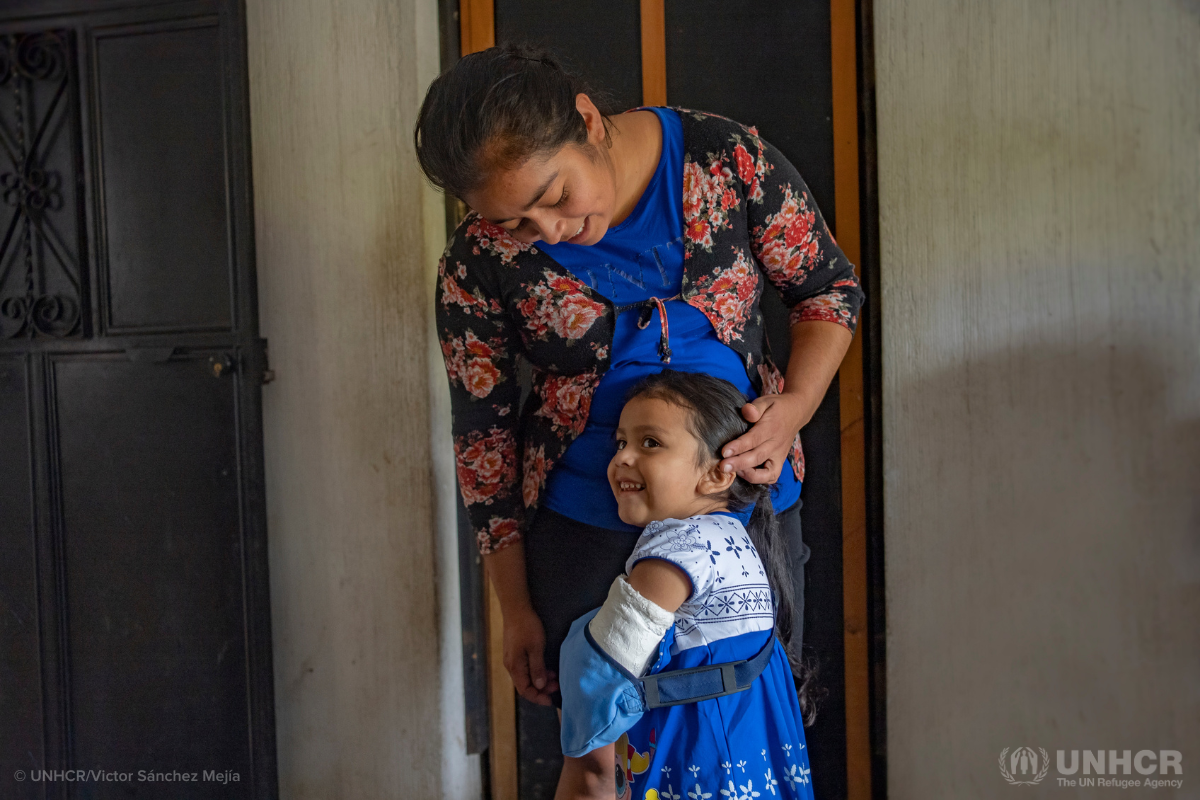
[1024, 762]
[1025, 766]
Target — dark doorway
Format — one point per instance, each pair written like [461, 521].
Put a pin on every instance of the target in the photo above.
[767, 65]
[134, 600]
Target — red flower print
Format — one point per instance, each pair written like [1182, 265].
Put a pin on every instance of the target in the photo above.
[536, 467]
[485, 464]
[755, 194]
[453, 294]
[560, 305]
[469, 361]
[751, 169]
[700, 233]
[575, 316]
[566, 400]
[772, 378]
[727, 297]
[828, 307]
[788, 243]
[745, 163]
[481, 376]
[708, 197]
[499, 534]
[494, 239]
[693, 188]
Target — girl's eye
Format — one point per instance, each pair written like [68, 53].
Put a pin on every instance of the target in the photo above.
[649, 442]
[562, 200]
[620, 444]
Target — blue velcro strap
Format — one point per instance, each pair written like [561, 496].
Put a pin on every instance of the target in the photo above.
[704, 683]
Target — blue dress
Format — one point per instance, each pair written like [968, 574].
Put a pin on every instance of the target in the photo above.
[737, 747]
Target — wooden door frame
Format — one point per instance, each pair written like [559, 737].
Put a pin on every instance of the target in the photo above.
[856, 212]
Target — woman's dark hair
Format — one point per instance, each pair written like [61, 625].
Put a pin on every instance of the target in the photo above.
[495, 109]
[714, 417]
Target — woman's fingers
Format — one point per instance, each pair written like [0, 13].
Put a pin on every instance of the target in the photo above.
[518, 670]
[767, 473]
[537, 666]
[753, 411]
[758, 455]
[520, 673]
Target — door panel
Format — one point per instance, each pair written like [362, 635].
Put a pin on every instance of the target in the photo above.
[150, 491]
[20, 694]
[41, 216]
[165, 257]
[600, 40]
[133, 559]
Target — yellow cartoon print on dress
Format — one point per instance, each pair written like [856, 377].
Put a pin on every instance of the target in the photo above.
[630, 762]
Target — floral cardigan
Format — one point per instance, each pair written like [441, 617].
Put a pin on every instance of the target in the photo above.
[747, 214]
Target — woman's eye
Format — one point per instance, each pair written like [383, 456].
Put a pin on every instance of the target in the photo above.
[562, 200]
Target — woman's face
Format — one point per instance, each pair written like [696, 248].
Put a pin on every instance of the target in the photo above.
[567, 196]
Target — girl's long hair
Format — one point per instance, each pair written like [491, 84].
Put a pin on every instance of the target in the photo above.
[713, 407]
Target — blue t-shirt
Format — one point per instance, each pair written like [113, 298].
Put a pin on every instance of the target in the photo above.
[640, 259]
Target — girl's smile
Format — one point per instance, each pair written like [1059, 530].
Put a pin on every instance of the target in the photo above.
[658, 472]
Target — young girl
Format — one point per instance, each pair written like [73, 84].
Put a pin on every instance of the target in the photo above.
[702, 587]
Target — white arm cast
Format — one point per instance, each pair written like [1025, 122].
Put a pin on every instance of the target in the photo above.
[629, 627]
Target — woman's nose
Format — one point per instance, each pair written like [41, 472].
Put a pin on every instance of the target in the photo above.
[549, 228]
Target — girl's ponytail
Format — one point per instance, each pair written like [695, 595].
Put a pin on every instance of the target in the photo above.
[773, 550]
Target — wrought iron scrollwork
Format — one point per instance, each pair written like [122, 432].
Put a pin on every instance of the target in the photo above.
[40, 275]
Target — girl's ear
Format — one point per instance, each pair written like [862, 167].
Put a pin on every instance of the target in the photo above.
[714, 481]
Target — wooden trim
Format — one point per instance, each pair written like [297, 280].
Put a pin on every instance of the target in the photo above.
[477, 22]
[844, 54]
[502, 704]
[654, 53]
[477, 31]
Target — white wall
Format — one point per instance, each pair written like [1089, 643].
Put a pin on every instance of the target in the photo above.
[367, 650]
[1040, 221]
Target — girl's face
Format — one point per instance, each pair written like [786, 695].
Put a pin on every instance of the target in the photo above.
[655, 473]
[566, 196]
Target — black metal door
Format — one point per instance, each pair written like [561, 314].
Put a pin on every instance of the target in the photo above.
[134, 603]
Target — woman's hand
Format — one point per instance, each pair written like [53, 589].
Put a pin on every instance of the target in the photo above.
[759, 454]
[524, 649]
[524, 636]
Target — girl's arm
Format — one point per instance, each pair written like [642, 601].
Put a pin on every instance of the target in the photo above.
[661, 582]
[629, 627]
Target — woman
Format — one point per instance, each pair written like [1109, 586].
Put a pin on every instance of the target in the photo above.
[601, 249]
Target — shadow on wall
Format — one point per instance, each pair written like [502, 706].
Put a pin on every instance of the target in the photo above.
[1053, 584]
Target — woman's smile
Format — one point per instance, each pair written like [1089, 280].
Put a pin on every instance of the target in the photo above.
[579, 235]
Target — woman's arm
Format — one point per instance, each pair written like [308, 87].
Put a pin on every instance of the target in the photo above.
[479, 343]
[816, 281]
[524, 636]
[817, 351]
